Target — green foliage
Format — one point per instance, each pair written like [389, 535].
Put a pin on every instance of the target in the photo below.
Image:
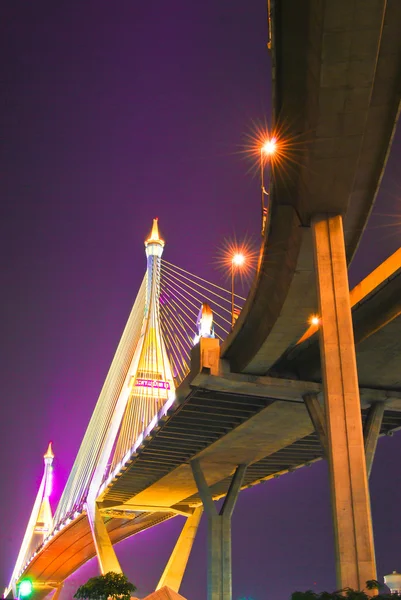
[372, 584]
[347, 593]
[111, 585]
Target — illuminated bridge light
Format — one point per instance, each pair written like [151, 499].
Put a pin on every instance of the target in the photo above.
[25, 588]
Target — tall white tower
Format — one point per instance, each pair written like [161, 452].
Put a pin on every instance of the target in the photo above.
[150, 380]
[40, 522]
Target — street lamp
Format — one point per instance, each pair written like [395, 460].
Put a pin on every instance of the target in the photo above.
[237, 261]
[266, 152]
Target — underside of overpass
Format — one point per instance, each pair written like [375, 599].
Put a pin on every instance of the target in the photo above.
[336, 88]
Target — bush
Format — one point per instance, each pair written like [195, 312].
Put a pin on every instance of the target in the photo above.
[348, 593]
[111, 585]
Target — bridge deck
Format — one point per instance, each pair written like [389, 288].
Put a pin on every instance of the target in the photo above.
[73, 546]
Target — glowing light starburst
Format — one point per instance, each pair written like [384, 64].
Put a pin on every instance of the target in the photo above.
[240, 255]
[265, 144]
[275, 148]
[269, 147]
[25, 588]
[238, 260]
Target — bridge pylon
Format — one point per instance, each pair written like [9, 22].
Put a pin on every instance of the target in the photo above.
[147, 385]
[40, 522]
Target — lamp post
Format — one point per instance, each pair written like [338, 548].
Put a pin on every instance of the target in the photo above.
[266, 151]
[237, 261]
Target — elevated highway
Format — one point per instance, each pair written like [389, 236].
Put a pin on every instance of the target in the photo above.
[376, 307]
[336, 82]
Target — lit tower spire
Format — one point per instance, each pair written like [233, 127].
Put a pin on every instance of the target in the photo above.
[44, 522]
[151, 381]
[40, 523]
[154, 246]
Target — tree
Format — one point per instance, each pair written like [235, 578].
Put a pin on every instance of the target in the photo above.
[347, 593]
[110, 585]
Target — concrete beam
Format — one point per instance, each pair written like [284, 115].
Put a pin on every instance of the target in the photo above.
[371, 432]
[203, 489]
[58, 591]
[232, 495]
[355, 557]
[175, 568]
[136, 508]
[317, 417]
[253, 385]
[291, 390]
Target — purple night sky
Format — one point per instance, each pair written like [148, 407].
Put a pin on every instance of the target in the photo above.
[113, 113]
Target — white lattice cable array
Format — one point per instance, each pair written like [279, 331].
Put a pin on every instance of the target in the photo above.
[175, 299]
[80, 477]
[182, 295]
[153, 364]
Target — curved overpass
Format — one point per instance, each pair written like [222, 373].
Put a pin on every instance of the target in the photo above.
[336, 74]
[376, 315]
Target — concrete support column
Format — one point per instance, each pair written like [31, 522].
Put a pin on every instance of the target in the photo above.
[371, 432]
[106, 556]
[316, 415]
[219, 571]
[175, 568]
[355, 557]
[58, 591]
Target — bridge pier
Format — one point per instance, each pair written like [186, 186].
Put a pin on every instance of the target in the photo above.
[219, 570]
[175, 568]
[371, 432]
[355, 557]
[58, 591]
[106, 556]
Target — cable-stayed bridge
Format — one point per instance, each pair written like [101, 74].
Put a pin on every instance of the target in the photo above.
[169, 316]
[143, 476]
[172, 433]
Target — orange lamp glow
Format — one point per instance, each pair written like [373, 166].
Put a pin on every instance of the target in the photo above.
[314, 320]
[269, 147]
[238, 260]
